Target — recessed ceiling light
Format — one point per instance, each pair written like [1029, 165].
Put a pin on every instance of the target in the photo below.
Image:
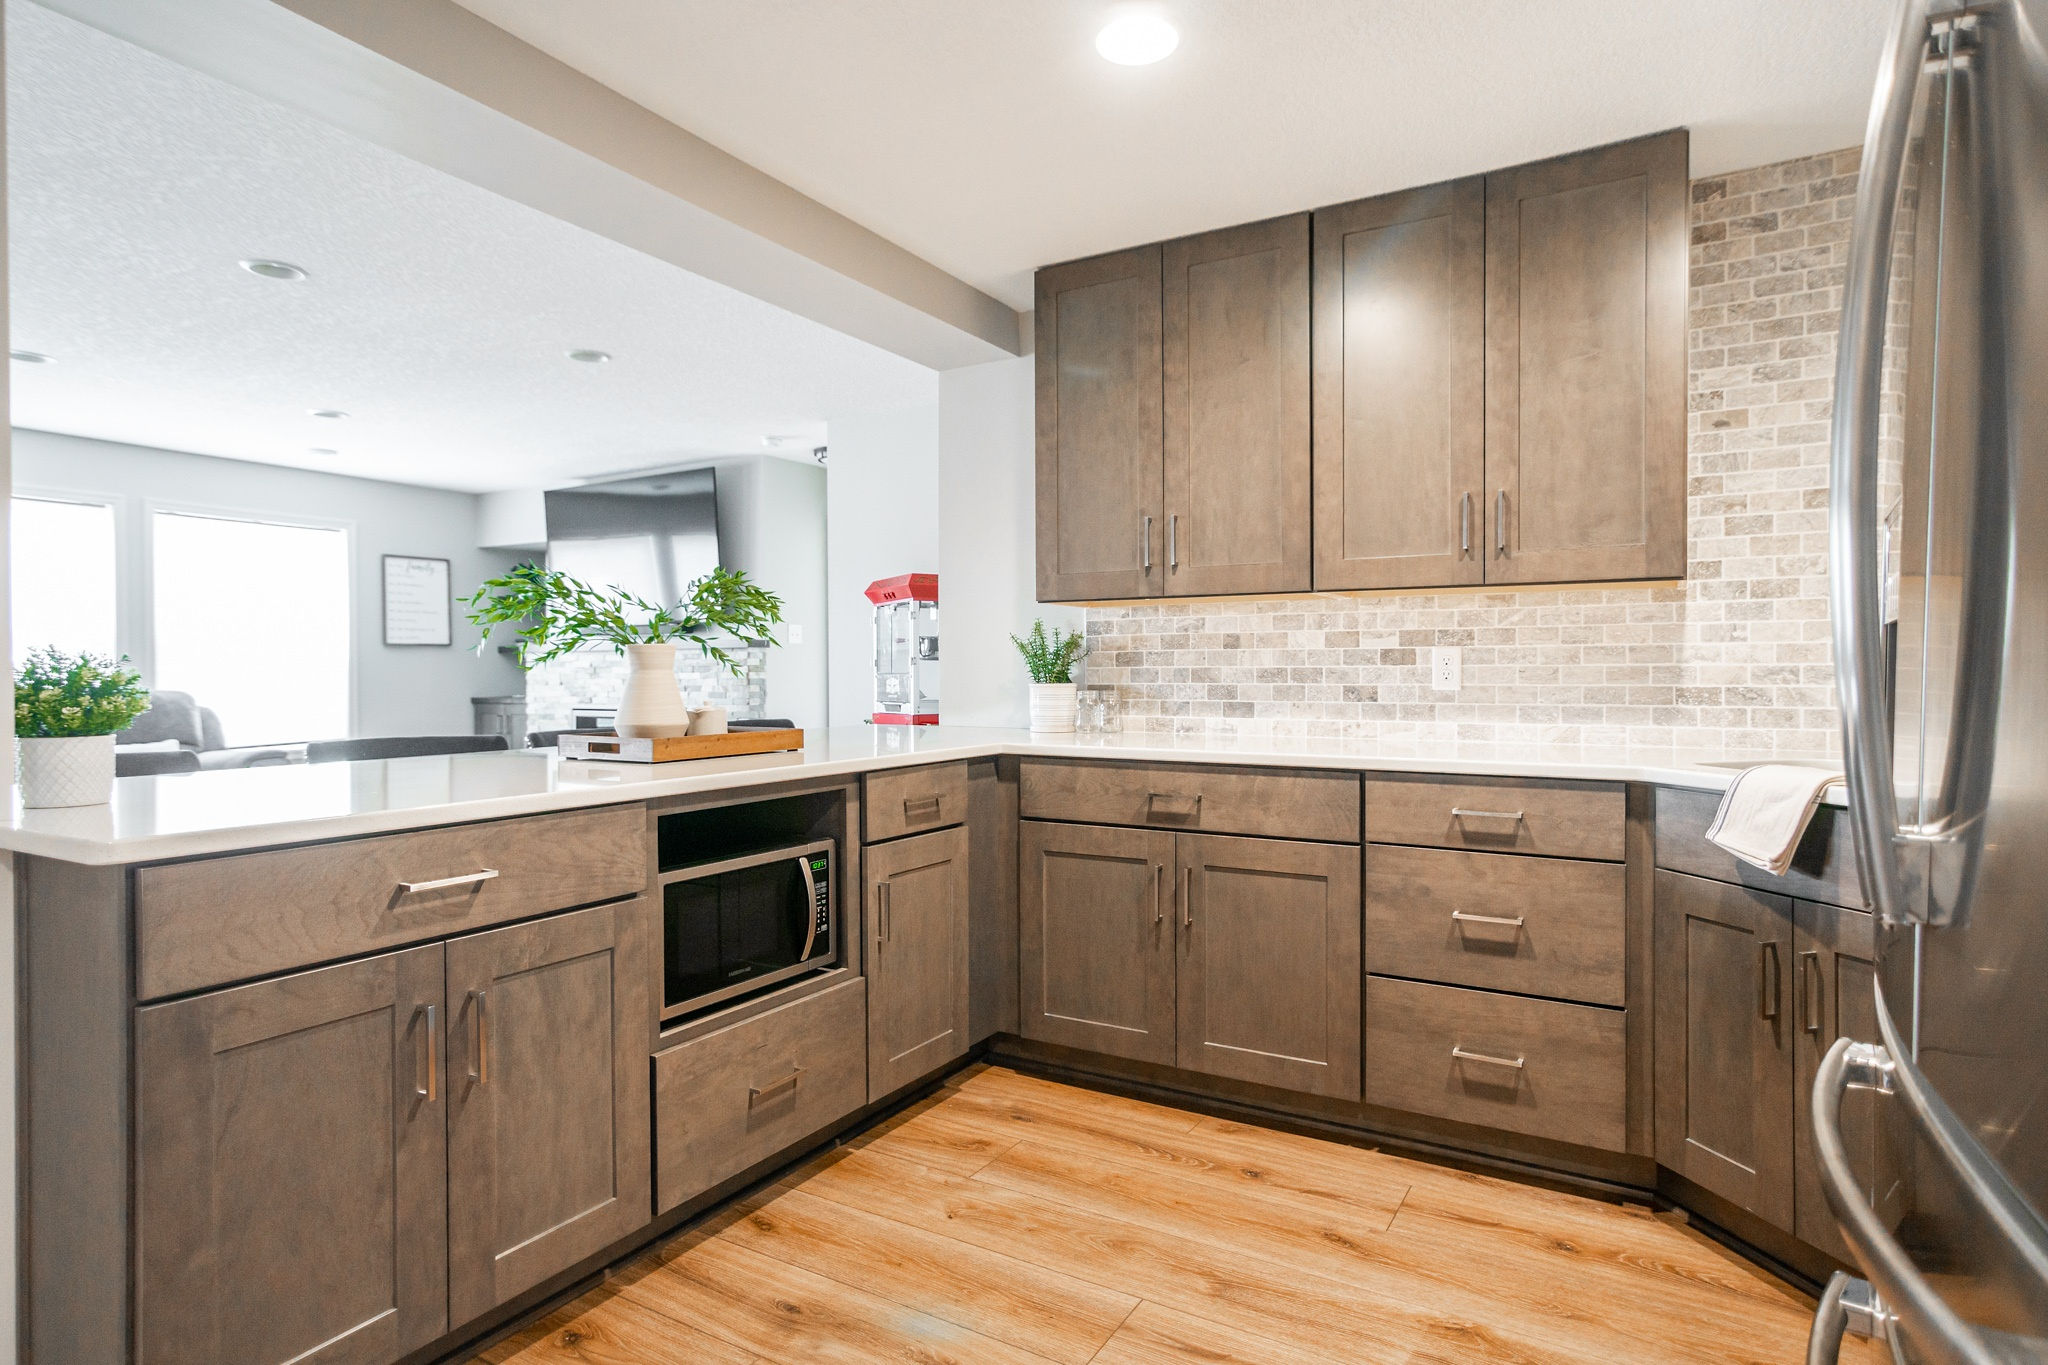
[331, 414]
[1136, 39]
[31, 357]
[590, 357]
[274, 270]
[322, 450]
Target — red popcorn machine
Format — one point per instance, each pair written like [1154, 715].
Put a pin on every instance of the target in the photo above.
[906, 649]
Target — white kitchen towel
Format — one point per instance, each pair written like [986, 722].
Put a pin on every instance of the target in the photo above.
[1765, 812]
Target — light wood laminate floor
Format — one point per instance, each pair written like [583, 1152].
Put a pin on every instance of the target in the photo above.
[1013, 1219]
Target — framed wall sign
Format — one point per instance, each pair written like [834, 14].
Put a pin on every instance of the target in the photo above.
[417, 608]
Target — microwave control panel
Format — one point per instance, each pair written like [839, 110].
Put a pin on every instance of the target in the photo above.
[821, 895]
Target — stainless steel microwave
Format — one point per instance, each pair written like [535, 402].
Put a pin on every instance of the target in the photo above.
[740, 925]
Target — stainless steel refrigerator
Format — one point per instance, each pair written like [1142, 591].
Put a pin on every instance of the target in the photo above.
[1938, 549]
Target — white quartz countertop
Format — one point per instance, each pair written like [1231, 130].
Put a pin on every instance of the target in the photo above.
[186, 814]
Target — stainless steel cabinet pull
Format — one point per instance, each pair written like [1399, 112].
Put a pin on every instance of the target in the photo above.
[1158, 892]
[1767, 983]
[757, 1093]
[882, 934]
[1463, 918]
[916, 803]
[423, 1064]
[1187, 899]
[1173, 541]
[481, 1074]
[1194, 803]
[1460, 813]
[1500, 522]
[1514, 1063]
[1464, 524]
[443, 883]
[1813, 999]
[1147, 542]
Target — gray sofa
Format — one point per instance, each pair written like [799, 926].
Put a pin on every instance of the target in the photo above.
[176, 716]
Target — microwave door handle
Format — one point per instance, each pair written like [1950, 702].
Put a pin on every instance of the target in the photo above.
[803, 864]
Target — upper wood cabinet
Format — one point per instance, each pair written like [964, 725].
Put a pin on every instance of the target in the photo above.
[1237, 409]
[1492, 391]
[1100, 472]
[1586, 283]
[1400, 389]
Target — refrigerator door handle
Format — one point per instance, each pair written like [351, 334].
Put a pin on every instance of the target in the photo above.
[1846, 1306]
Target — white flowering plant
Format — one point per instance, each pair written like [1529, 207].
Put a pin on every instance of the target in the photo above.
[60, 696]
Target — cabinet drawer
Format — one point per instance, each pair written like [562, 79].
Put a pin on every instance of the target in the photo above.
[1291, 805]
[218, 920]
[912, 800]
[1438, 914]
[732, 1098]
[1496, 815]
[1569, 1085]
[1823, 866]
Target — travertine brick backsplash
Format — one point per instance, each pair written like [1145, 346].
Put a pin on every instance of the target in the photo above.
[596, 677]
[1737, 657]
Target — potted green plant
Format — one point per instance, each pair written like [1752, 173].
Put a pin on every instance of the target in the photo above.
[1050, 658]
[67, 710]
[553, 613]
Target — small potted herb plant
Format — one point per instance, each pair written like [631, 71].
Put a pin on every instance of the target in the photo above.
[1050, 659]
[67, 709]
[554, 613]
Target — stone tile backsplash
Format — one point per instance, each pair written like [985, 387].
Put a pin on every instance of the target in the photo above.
[596, 677]
[1736, 657]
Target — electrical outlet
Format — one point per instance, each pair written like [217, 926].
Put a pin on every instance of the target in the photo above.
[796, 635]
[1444, 669]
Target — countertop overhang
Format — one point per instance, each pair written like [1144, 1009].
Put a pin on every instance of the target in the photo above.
[185, 815]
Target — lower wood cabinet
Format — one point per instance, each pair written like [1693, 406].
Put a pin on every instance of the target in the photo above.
[291, 1174]
[1094, 947]
[1723, 961]
[1231, 956]
[735, 1097]
[548, 1150]
[1834, 993]
[917, 956]
[1268, 982]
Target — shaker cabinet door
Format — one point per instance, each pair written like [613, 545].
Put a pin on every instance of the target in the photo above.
[1237, 410]
[548, 1146]
[1100, 520]
[290, 1168]
[1400, 389]
[917, 957]
[1724, 978]
[1095, 942]
[1269, 978]
[1586, 284]
[1834, 996]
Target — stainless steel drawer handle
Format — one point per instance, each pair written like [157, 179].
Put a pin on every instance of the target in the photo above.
[1193, 803]
[1460, 813]
[1514, 1063]
[757, 1093]
[1504, 921]
[920, 803]
[443, 883]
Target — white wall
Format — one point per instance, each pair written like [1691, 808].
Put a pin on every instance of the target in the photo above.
[882, 519]
[987, 545]
[399, 689]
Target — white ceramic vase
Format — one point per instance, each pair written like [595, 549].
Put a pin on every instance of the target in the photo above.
[1052, 708]
[653, 705]
[76, 770]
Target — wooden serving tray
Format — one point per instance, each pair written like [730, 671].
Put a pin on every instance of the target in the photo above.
[603, 744]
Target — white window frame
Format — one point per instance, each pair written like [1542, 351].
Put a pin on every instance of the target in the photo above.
[145, 553]
[131, 575]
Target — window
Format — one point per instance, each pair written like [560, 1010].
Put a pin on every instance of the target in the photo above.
[62, 565]
[252, 619]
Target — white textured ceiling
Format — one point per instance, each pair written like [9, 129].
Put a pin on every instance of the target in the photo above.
[437, 314]
[987, 136]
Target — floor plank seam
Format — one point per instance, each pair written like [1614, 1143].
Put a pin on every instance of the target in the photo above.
[1111, 1338]
[1400, 1204]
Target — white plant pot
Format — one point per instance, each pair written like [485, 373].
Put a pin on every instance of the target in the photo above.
[653, 705]
[1052, 708]
[77, 770]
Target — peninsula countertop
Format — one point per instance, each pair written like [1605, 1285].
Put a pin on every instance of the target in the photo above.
[188, 814]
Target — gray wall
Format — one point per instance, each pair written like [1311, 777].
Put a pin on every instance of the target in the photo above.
[399, 690]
